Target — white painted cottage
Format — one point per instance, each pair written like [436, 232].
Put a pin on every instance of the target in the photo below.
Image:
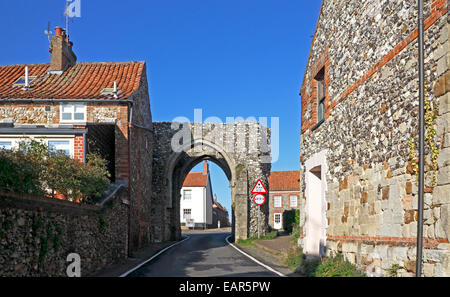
[197, 199]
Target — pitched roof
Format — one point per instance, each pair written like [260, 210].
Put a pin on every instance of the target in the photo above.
[219, 206]
[284, 181]
[81, 81]
[195, 179]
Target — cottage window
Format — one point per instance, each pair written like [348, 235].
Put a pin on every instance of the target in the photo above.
[187, 213]
[64, 144]
[277, 201]
[293, 201]
[320, 78]
[187, 194]
[73, 113]
[6, 145]
[60, 146]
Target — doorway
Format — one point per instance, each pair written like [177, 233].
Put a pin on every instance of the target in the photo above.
[315, 208]
[277, 221]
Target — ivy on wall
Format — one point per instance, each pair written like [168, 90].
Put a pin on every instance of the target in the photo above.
[431, 108]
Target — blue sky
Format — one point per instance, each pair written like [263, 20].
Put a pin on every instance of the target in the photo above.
[229, 58]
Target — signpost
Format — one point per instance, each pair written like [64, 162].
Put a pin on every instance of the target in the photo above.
[259, 199]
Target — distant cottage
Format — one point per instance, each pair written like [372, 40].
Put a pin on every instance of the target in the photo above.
[283, 196]
[359, 123]
[199, 207]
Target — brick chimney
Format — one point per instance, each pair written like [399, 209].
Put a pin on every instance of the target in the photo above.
[205, 168]
[61, 50]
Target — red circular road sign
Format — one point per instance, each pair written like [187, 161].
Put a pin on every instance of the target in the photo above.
[259, 199]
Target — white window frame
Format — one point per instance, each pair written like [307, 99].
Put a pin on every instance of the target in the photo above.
[184, 213]
[5, 140]
[16, 139]
[73, 107]
[184, 195]
[275, 198]
[296, 200]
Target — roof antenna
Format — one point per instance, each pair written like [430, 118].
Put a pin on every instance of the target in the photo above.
[48, 33]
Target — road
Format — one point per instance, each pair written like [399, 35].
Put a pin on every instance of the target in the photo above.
[203, 255]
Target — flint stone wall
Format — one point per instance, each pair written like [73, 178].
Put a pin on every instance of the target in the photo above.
[371, 201]
[37, 234]
[246, 165]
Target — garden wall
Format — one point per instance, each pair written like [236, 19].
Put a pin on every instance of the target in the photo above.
[37, 234]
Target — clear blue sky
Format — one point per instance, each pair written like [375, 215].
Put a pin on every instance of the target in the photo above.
[230, 58]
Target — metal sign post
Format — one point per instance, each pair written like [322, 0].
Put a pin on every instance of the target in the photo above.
[259, 200]
[259, 221]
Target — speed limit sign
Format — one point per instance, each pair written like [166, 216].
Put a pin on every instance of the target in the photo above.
[259, 199]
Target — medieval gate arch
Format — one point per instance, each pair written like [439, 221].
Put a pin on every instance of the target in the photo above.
[241, 150]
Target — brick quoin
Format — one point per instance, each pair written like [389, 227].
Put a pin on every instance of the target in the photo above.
[438, 9]
[78, 144]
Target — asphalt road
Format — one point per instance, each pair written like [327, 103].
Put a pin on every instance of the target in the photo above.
[202, 255]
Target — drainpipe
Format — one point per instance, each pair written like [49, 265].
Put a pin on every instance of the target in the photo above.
[421, 141]
[130, 207]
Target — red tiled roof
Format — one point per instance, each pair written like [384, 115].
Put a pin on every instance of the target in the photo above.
[284, 181]
[81, 81]
[195, 179]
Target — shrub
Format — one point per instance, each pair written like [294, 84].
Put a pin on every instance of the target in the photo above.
[310, 267]
[21, 170]
[289, 220]
[337, 267]
[32, 169]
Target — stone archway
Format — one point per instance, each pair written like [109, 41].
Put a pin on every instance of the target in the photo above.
[219, 144]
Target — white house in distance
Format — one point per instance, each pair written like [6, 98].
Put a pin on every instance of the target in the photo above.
[197, 199]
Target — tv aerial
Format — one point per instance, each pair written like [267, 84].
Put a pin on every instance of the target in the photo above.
[48, 32]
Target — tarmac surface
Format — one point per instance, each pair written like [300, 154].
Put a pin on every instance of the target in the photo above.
[204, 254]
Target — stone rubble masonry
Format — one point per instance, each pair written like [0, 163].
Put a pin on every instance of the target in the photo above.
[37, 234]
[369, 51]
[244, 168]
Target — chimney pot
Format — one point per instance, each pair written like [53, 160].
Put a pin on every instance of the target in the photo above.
[58, 31]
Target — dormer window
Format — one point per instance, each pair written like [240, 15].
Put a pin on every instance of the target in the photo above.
[72, 113]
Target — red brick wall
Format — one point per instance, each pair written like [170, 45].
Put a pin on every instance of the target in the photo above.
[78, 149]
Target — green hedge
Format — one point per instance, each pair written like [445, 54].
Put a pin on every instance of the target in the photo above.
[32, 169]
[291, 218]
